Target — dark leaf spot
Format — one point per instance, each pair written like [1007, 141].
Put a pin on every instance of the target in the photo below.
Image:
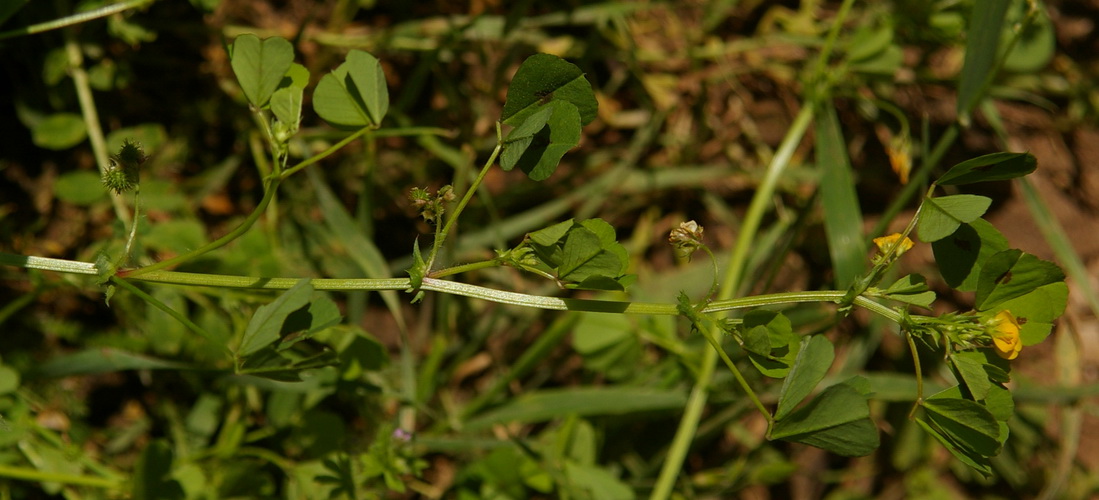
[1004, 278]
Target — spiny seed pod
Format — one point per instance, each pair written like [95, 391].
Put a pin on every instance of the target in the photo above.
[122, 173]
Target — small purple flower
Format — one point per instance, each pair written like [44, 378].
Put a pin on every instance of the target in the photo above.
[402, 435]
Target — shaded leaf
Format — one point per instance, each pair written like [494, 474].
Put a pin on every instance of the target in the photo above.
[266, 325]
[59, 131]
[102, 360]
[775, 346]
[539, 153]
[973, 460]
[986, 23]
[961, 255]
[548, 404]
[153, 473]
[990, 167]
[968, 424]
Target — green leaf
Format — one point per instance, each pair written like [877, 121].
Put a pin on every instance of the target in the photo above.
[544, 78]
[1035, 47]
[941, 216]
[10, 7]
[269, 363]
[773, 354]
[837, 420]
[286, 106]
[266, 325]
[813, 361]
[986, 23]
[301, 324]
[548, 404]
[583, 254]
[9, 380]
[969, 366]
[539, 154]
[990, 167]
[80, 187]
[595, 483]
[59, 131]
[967, 423]
[260, 65]
[519, 139]
[843, 217]
[153, 473]
[961, 255]
[1036, 311]
[101, 360]
[1010, 274]
[911, 289]
[355, 94]
[975, 461]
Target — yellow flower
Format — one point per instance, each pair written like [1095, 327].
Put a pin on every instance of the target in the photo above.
[1005, 335]
[885, 243]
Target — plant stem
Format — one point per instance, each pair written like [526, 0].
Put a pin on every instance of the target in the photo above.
[323, 154]
[462, 204]
[271, 187]
[465, 268]
[688, 424]
[919, 373]
[163, 307]
[451, 287]
[91, 120]
[75, 19]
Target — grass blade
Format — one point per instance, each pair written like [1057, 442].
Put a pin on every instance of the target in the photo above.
[842, 215]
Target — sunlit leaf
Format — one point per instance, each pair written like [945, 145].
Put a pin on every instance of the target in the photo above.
[260, 65]
[1010, 274]
[941, 216]
[911, 289]
[837, 420]
[1036, 311]
[355, 94]
[813, 360]
[544, 78]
